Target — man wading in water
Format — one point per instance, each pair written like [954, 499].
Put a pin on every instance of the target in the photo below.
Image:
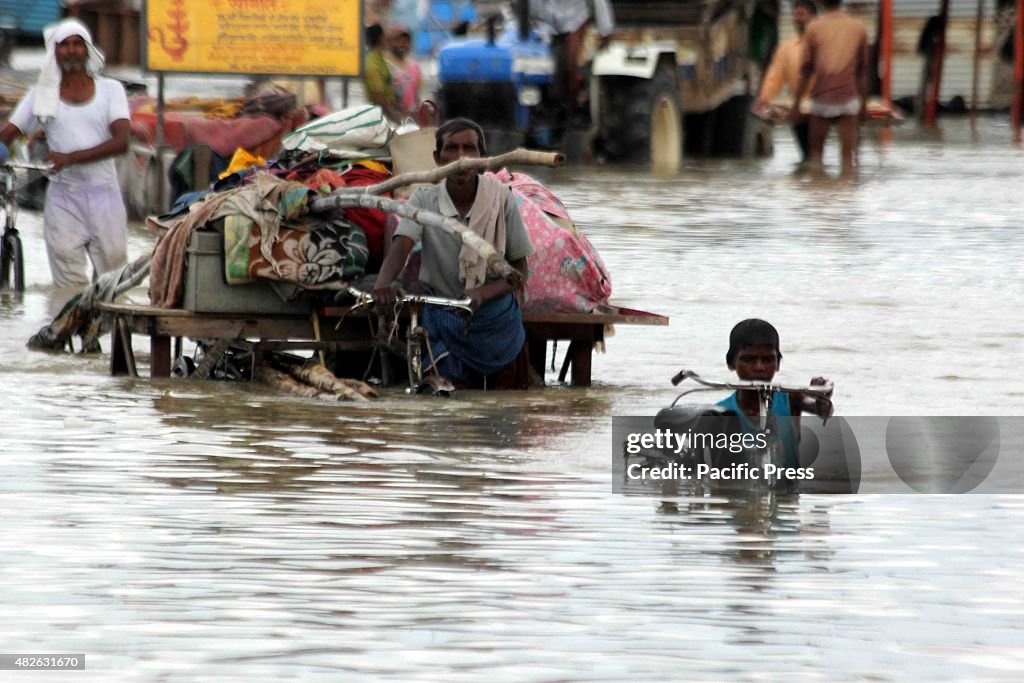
[86, 121]
[493, 337]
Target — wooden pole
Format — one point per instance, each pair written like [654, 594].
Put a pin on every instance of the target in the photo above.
[162, 200]
[885, 51]
[932, 106]
[160, 109]
[979, 16]
[1018, 73]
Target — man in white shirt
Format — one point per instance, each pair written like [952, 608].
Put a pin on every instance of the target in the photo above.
[86, 121]
[565, 23]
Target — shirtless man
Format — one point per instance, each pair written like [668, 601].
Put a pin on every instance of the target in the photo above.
[836, 59]
[784, 72]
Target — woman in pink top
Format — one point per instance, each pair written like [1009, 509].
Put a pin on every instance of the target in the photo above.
[405, 72]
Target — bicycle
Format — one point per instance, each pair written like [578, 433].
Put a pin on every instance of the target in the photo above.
[386, 335]
[12, 258]
[765, 448]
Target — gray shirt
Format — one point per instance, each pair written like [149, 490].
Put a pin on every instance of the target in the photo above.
[439, 269]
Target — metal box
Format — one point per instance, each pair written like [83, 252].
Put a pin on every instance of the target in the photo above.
[207, 290]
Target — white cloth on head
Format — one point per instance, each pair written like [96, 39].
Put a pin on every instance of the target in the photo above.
[48, 86]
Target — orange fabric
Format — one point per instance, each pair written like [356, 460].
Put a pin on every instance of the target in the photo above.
[324, 177]
[784, 71]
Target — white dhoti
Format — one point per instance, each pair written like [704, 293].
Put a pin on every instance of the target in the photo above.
[80, 220]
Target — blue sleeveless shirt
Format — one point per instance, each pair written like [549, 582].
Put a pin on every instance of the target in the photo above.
[783, 424]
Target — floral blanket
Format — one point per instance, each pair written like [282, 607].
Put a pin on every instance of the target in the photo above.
[321, 254]
[566, 272]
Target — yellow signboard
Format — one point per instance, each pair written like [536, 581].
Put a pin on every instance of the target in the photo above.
[302, 37]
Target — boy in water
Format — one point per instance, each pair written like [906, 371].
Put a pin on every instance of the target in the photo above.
[754, 355]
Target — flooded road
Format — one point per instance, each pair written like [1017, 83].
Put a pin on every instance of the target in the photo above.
[179, 531]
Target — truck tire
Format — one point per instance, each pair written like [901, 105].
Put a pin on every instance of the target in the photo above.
[645, 121]
[738, 133]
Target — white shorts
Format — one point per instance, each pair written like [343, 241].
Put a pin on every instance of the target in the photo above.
[832, 110]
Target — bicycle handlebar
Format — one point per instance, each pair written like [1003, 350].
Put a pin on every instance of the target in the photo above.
[11, 165]
[821, 391]
[367, 299]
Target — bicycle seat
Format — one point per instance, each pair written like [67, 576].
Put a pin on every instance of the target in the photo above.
[682, 418]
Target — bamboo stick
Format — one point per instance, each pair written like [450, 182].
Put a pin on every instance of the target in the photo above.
[495, 263]
[285, 382]
[321, 378]
[516, 156]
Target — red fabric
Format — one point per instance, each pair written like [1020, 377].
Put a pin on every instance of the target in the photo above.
[323, 176]
[223, 136]
[370, 220]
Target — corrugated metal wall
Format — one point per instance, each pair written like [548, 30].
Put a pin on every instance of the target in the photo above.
[909, 17]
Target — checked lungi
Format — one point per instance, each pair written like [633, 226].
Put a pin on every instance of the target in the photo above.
[485, 342]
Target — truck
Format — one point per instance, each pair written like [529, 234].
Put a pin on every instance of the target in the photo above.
[676, 79]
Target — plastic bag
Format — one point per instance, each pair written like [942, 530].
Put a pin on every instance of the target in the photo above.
[354, 133]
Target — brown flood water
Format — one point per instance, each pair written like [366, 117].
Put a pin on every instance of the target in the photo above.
[181, 531]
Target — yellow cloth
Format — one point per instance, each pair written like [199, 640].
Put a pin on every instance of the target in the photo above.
[784, 71]
[242, 160]
[374, 166]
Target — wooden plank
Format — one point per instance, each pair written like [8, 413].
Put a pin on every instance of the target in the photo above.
[159, 356]
[582, 354]
[315, 345]
[264, 328]
[252, 328]
[616, 315]
[609, 315]
[561, 331]
[280, 332]
[537, 349]
[122, 358]
[141, 309]
[621, 316]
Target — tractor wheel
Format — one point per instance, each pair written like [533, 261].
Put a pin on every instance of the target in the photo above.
[645, 121]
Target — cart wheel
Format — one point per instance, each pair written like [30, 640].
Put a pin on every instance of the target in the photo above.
[414, 359]
[12, 262]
